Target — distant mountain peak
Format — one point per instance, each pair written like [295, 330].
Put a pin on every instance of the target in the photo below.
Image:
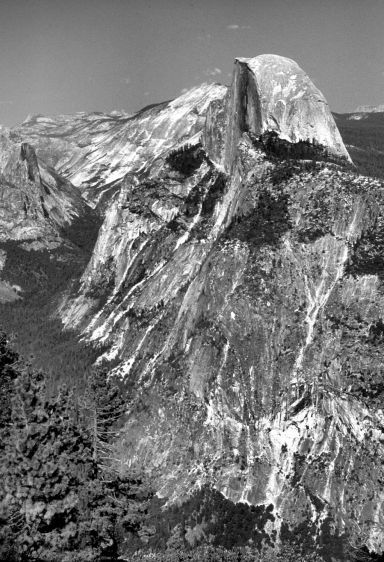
[370, 108]
[36, 202]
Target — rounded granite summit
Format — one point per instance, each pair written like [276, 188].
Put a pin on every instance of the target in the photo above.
[272, 93]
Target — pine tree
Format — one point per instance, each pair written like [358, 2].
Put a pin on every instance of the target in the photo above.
[102, 406]
[8, 361]
[57, 503]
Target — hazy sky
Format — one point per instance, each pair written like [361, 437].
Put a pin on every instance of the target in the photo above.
[85, 55]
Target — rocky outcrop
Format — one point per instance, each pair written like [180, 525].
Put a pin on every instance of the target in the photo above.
[36, 202]
[272, 93]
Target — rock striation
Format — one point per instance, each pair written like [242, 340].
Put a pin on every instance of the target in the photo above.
[240, 296]
[272, 93]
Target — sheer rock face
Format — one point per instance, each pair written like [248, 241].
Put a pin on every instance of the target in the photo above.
[36, 202]
[272, 93]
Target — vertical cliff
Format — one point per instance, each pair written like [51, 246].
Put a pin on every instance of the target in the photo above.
[241, 297]
[270, 93]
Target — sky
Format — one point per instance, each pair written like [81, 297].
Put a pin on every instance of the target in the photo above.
[103, 55]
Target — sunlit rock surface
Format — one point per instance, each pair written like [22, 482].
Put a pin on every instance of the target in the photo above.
[95, 151]
[272, 93]
[255, 347]
[241, 297]
[269, 93]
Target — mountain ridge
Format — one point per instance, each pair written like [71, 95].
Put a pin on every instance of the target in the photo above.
[369, 109]
[100, 150]
[236, 289]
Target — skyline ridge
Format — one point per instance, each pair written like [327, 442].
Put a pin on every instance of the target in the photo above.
[95, 55]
